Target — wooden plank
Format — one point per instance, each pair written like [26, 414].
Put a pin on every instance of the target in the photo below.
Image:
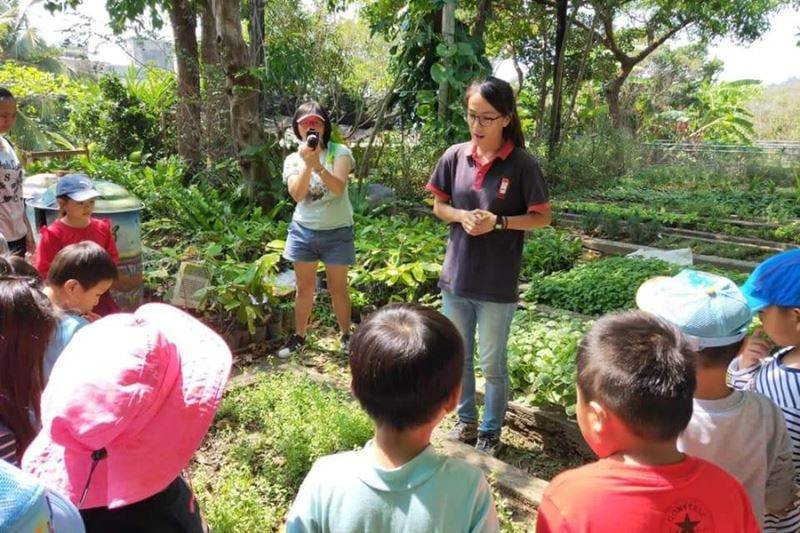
[624, 248]
[574, 220]
[549, 423]
[733, 221]
[511, 480]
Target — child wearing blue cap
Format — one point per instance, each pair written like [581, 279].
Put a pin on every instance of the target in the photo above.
[75, 195]
[773, 291]
[740, 431]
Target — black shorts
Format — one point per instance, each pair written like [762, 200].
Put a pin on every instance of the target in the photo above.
[173, 510]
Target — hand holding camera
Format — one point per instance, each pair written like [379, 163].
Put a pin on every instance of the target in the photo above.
[309, 151]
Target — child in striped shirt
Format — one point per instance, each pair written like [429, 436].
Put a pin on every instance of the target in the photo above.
[773, 290]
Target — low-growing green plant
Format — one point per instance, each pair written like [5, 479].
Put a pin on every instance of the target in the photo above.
[243, 291]
[641, 232]
[549, 250]
[599, 286]
[264, 442]
[398, 258]
[541, 357]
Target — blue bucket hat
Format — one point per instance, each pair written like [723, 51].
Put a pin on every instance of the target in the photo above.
[775, 281]
[709, 310]
[77, 187]
[23, 504]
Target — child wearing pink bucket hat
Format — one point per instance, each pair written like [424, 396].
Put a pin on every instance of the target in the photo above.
[127, 405]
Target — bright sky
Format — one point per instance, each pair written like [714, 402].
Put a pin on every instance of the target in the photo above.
[772, 59]
[93, 19]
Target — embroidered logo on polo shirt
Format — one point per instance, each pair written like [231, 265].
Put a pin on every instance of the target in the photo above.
[501, 191]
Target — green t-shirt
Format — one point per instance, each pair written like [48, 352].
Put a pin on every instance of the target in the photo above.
[321, 209]
[348, 493]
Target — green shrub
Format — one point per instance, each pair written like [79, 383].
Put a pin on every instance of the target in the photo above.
[597, 287]
[121, 118]
[399, 258]
[266, 437]
[641, 232]
[406, 164]
[591, 161]
[549, 250]
[541, 357]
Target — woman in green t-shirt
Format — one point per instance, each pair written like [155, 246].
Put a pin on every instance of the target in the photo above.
[322, 225]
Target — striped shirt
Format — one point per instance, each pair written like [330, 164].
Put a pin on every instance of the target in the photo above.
[8, 445]
[781, 384]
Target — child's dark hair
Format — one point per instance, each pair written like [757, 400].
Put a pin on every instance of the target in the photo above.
[500, 96]
[18, 266]
[5, 93]
[313, 108]
[27, 321]
[87, 262]
[640, 368]
[718, 356]
[406, 360]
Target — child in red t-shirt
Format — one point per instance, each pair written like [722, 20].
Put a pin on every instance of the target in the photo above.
[75, 194]
[636, 379]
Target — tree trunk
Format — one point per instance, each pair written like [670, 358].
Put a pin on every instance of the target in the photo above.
[242, 88]
[484, 12]
[517, 69]
[184, 25]
[612, 91]
[363, 170]
[216, 107]
[448, 36]
[558, 76]
[257, 28]
[581, 73]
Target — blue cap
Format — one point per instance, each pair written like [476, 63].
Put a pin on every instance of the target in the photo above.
[77, 186]
[776, 281]
[709, 310]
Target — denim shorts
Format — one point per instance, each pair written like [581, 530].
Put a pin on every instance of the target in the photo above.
[331, 246]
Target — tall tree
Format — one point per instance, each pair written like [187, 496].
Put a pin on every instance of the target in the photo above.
[558, 75]
[243, 89]
[21, 42]
[215, 113]
[184, 24]
[631, 30]
[183, 16]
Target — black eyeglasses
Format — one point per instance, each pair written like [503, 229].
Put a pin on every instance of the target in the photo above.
[483, 120]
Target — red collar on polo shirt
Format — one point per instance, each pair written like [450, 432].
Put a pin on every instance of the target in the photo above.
[482, 170]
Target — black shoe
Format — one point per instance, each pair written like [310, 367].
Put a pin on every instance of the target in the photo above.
[344, 340]
[464, 431]
[489, 444]
[292, 346]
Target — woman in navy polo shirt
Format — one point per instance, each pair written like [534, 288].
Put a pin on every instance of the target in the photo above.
[490, 191]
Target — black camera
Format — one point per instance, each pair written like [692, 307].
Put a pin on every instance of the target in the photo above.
[312, 139]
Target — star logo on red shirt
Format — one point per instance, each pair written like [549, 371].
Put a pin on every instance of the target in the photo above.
[687, 526]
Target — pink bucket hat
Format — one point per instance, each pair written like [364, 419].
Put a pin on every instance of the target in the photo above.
[127, 404]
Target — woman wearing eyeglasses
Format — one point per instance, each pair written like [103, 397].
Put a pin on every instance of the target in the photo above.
[322, 224]
[489, 190]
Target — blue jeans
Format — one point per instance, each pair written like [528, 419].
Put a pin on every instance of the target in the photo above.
[493, 322]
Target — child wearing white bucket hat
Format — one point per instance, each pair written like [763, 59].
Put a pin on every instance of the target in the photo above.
[742, 432]
[127, 405]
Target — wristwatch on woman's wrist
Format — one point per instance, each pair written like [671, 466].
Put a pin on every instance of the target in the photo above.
[500, 223]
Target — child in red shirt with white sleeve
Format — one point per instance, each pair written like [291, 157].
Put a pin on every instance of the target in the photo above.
[636, 379]
[75, 194]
